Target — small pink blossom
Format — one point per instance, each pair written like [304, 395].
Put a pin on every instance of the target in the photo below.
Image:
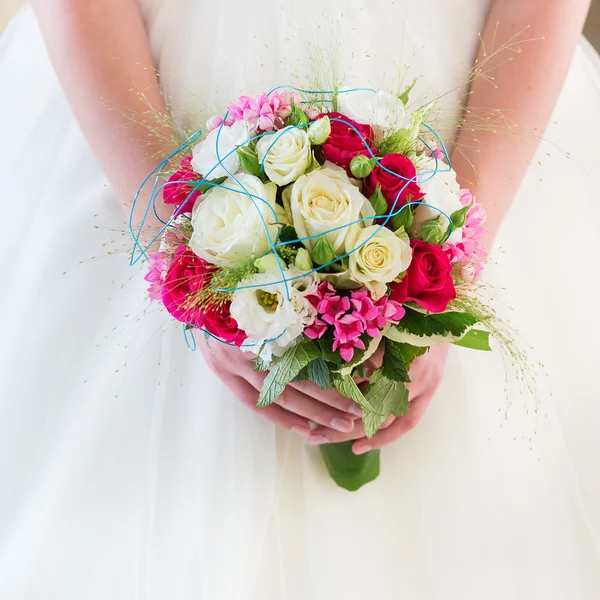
[437, 152]
[365, 309]
[331, 308]
[158, 263]
[316, 329]
[391, 311]
[346, 336]
[261, 113]
[324, 290]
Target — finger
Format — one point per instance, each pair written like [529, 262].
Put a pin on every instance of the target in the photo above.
[330, 397]
[397, 429]
[317, 412]
[273, 413]
[324, 435]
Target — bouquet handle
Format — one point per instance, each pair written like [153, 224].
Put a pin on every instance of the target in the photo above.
[350, 471]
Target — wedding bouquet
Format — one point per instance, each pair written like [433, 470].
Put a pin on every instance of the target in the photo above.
[312, 228]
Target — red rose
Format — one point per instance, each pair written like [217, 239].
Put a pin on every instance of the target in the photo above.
[187, 275]
[396, 188]
[219, 322]
[177, 192]
[343, 143]
[428, 281]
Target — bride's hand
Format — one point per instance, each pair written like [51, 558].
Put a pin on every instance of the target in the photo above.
[426, 375]
[298, 406]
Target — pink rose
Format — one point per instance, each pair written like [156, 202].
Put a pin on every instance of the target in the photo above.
[428, 280]
[343, 143]
[397, 187]
[219, 322]
[186, 277]
[179, 189]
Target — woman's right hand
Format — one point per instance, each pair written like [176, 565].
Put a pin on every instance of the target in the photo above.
[301, 404]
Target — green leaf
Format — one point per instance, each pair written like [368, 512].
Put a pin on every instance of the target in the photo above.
[348, 470]
[287, 234]
[298, 116]
[318, 372]
[286, 369]
[323, 252]
[428, 330]
[209, 184]
[398, 358]
[386, 397]
[378, 202]
[330, 355]
[261, 365]
[459, 217]
[249, 161]
[346, 386]
[404, 218]
[476, 339]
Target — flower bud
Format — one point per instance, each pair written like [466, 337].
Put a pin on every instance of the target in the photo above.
[266, 263]
[361, 166]
[433, 232]
[323, 252]
[303, 261]
[459, 217]
[319, 130]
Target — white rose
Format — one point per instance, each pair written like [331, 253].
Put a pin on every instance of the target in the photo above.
[287, 154]
[382, 110]
[378, 258]
[229, 226]
[204, 160]
[271, 319]
[441, 192]
[323, 201]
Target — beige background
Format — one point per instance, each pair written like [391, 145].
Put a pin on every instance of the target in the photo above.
[592, 30]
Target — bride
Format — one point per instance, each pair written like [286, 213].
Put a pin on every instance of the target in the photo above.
[128, 466]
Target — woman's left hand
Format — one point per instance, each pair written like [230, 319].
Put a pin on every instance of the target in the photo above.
[426, 375]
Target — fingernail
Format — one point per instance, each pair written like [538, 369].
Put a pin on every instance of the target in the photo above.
[355, 410]
[361, 449]
[303, 431]
[316, 440]
[343, 425]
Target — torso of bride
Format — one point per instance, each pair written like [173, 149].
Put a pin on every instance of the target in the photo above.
[208, 53]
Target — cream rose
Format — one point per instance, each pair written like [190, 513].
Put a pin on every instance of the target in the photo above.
[287, 154]
[377, 257]
[326, 202]
[229, 226]
[204, 160]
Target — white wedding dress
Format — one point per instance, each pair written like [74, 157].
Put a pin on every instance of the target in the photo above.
[129, 472]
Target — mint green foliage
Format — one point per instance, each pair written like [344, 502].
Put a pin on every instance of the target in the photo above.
[287, 254]
[404, 218]
[298, 116]
[285, 370]
[229, 279]
[261, 365]
[249, 161]
[434, 231]
[475, 339]
[319, 374]
[347, 469]
[323, 252]
[346, 386]
[378, 202]
[385, 397]
[459, 217]
[398, 358]
[361, 166]
[451, 324]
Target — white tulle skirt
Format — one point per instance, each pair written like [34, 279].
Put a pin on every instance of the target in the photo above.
[127, 470]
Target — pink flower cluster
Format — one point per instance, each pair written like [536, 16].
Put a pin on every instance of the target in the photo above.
[349, 317]
[468, 256]
[261, 113]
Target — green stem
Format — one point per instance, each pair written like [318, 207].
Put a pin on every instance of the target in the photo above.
[348, 470]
